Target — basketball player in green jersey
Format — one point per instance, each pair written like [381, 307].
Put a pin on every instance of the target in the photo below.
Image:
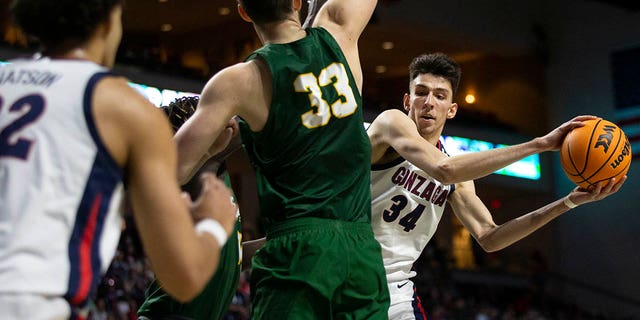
[299, 98]
[213, 302]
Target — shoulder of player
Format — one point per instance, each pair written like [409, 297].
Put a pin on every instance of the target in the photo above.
[238, 79]
[389, 119]
[381, 133]
[392, 114]
[115, 92]
[115, 99]
[126, 120]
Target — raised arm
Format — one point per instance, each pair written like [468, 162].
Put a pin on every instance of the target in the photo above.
[345, 17]
[182, 259]
[393, 129]
[475, 216]
[202, 136]
[345, 20]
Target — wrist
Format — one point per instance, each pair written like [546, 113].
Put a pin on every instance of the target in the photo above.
[567, 202]
[541, 145]
[214, 228]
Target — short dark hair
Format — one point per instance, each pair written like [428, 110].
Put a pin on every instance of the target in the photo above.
[61, 21]
[180, 109]
[437, 64]
[265, 11]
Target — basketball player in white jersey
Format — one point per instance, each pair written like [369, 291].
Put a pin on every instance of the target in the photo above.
[71, 136]
[412, 179]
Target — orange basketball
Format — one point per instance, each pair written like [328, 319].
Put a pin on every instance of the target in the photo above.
[596, 152]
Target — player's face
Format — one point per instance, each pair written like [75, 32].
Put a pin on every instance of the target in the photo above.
[114, 36]
[430, 104]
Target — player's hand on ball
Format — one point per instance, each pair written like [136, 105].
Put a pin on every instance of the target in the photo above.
[595, 152]
[553, 140]
[600, 191]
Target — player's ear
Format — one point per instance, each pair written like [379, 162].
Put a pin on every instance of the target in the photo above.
[406, 102]
[453, 109]
[115, 18]
[243, 14]
[297, 5]
[105, 27]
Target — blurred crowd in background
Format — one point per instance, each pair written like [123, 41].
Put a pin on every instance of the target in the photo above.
[446, 292]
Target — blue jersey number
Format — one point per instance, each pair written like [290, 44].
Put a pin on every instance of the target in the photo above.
[32, 107]
[409, 220]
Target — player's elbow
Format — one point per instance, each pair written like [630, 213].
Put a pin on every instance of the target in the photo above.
[445, 173]
[488, 243]
[184, 174]
[186, 294]
[441, 170]
[186, 289]
[488, 247]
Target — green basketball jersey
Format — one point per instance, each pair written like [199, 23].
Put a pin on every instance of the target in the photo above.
[213, 302]
[313, 155]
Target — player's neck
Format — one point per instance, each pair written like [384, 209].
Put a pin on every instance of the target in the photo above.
[88, 51]
[432, 138]
[285, 31]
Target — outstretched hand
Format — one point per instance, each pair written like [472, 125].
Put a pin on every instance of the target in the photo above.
[600, 191]
[553, 140]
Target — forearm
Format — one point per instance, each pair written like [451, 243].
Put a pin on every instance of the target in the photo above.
[499, 158]
[196, 257]
[514, 230]
[474, 165]
[234, 145]
[189, 160]
[186, 172]
[196, 141]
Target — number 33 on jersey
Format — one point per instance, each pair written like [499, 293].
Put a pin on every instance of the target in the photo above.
[334, 75]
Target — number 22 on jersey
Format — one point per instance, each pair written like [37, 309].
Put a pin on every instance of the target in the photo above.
[31, 106]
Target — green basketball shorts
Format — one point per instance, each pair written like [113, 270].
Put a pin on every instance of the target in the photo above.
[312, 268]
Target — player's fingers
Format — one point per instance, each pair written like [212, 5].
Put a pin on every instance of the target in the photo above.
[584, 118]
[186, 198]
[226, 135]
[619, 184]
[597, 189]
[208, 181]
[230, 131]
[607, 188]
[575, 124]
[578, 121]
[233, 123]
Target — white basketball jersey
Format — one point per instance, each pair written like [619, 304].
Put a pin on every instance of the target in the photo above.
[406, 207]
[60, 190]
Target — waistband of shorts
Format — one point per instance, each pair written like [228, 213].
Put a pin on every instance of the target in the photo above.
[163, 317]
[307, 224]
